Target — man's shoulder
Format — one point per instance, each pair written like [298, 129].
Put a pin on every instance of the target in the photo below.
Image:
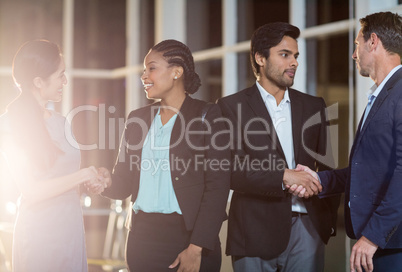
[304, 97]
[239, 96]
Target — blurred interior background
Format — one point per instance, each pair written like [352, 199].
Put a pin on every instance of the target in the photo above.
[104, 43]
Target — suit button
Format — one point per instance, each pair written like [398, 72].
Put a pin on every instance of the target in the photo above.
[176, 178]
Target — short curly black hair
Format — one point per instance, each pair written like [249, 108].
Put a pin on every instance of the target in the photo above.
[178, 54]
[267, 36]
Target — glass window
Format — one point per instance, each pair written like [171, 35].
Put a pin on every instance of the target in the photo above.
[99, 34]
[147, 27]
[98, 112]
[328, 77]
[204, 24]
[326, 11]
[253, 14]
[210, 73]
[25, 20]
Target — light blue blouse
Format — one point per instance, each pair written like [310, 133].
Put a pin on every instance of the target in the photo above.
[156, 193]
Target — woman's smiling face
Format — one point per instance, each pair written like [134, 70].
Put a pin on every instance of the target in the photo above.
[52, 87]
[158, 76]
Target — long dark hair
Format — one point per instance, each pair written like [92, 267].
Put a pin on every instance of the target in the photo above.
[37, 58]
[177, 53]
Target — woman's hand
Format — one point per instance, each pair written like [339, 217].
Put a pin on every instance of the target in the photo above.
[101, 181]
[104, 175]
[189, 259]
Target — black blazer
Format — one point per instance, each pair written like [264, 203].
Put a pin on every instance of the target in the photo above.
[260, 212]
[202, 191]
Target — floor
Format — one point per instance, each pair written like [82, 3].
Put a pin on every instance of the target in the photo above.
[96, 232]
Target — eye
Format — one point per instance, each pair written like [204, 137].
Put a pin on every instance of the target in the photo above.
[285, 55]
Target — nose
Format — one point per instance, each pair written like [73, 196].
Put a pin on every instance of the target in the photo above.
[294, 63]
[354, 55]
[143, 76]
[65, 80]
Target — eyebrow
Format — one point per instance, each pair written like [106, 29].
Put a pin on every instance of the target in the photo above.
[288, 51]
[151, 62]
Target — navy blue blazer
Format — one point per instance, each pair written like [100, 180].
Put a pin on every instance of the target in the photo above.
[373, 180]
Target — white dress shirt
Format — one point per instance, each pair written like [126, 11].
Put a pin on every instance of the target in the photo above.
[281, 116]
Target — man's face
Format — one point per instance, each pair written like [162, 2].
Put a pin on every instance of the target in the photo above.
[361, 54]
[280, 67]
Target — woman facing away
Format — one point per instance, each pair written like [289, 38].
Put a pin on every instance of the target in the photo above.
[49, 230]
[179, 198]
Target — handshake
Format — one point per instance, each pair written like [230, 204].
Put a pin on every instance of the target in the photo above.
[98, 180]
[302, 181]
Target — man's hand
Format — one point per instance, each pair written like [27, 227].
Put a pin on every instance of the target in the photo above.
[308, 170]
[296, 190]
[362, 255]
[189, 259]
[303, 180]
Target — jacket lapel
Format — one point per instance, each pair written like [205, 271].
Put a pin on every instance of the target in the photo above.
[180, 122]
[296, 107]
[376, 106]
[260, 110]
[147, 116]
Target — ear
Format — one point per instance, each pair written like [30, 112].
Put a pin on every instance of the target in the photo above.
[37, 81]
[260, 59]
[374, 40]
[177, 72]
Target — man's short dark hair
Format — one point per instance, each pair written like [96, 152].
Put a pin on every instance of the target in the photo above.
[387, 26]
[267, 36]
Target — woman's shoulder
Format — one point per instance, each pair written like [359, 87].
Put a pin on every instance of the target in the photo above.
[195, 105]
[55, 116]
[143, 110]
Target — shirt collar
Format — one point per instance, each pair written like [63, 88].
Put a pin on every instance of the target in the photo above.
[374, 90]
[264, 94]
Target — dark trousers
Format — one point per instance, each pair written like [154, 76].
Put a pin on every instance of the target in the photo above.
[156, 239]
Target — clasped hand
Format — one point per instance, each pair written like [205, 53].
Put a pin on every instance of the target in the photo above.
[302, 181]
[98, 183]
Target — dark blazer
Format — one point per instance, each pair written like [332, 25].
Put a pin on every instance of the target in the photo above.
[260, 214]
[373, 180]
[202, 191]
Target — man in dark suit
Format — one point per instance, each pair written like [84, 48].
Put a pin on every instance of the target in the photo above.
[373, 180]
[268, 228]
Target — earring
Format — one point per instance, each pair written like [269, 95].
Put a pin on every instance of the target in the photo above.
[175, 77]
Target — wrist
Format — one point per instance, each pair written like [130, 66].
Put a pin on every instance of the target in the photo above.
[195, 248]
[108, 182]
[85, 175]
[285, 177]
